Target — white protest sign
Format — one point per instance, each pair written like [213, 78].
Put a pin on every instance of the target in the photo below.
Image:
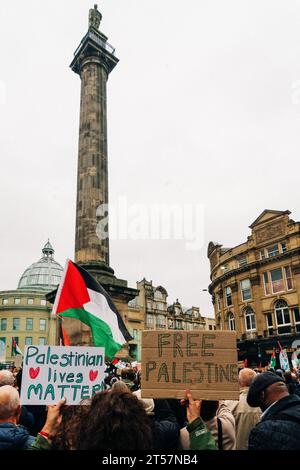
[53, 372]
[283, 358]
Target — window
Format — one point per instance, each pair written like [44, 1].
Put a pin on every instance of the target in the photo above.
[231, 322]
[159, 306]
[297, 318]
[3, 324]
[273, 250]
[28, 341]
[266, 283]
[246, 289]
[29, 324]
[43, 302]
[4, 301]
[30, 301]
[150, 321]
[282, 314]
[228, 296]
[161, 321]
[288, 277]
[270, 324]
[42, 341]
[242, 261]
[42, 324]
[277, 280]
[16, 324]
[158, 295]
[210, 327]
[262, 254]
[135, 334]
[17, 301]
[250, 319]
[149, 305]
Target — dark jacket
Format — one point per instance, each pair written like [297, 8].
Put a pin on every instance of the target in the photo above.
[27, 420]
[13, 437]
[279, 428]
[165, 428]
[292, 386]
[39, 414]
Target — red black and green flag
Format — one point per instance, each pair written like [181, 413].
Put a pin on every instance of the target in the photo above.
[16, 351]
[80, 296]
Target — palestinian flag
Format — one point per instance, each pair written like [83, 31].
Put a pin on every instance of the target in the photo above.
[273, 361]
[63, 337]
[16, 351]
[80, 296]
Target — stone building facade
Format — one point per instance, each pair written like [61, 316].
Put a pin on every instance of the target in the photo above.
[149, 310]
[255, 287]
[25, 313]
[26, 317]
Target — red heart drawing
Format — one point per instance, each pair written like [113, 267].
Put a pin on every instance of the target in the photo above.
[34, 372]
[93, 375]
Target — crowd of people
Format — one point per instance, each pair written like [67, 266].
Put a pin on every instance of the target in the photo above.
[266, 416]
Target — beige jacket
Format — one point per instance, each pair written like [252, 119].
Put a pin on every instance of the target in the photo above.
[228, 429]
[246, 418]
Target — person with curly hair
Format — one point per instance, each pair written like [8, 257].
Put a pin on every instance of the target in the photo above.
[116, 420]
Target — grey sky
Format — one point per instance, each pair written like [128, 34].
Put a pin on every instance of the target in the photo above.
[204, 107]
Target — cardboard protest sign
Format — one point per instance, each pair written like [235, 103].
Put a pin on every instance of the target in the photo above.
[203, 362]
[18, 361]
[53, 372]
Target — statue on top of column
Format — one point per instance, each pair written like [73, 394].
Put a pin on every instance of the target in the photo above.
[95, 17]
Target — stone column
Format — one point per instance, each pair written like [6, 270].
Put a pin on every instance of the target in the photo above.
[92, 181]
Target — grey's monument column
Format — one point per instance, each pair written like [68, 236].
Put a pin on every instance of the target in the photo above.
[93, 60]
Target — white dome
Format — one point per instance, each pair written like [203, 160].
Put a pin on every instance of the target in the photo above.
[43, 275]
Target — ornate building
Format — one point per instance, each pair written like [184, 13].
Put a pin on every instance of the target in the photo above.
[150, 311]
[255, 287]
[25, 312]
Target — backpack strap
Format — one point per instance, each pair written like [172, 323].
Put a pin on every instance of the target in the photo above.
[220, 434]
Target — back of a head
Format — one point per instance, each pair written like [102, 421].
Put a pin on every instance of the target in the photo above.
[209, 409]
[128, 374]
[9, 402]
[271, 384]
[119, 386]
[246, 377]
[279, 372]
[71, 417]
[6, 378]
[288, 376]
[116, 420]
